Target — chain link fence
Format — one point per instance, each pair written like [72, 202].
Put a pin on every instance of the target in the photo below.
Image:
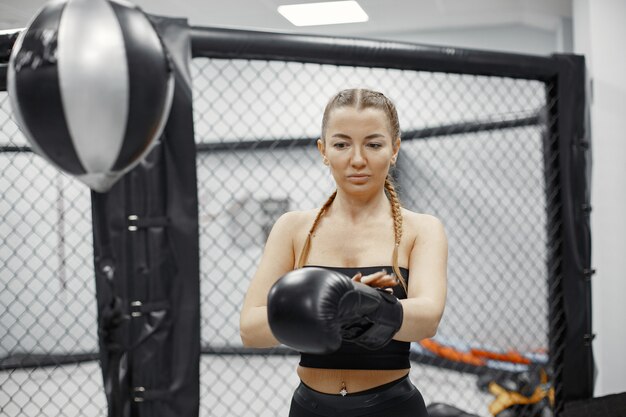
[473, 154]
[48, 325]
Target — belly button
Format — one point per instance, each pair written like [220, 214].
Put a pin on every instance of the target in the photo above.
[343, 391]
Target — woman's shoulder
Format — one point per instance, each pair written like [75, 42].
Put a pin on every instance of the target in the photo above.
[297, 218]
[422, 224]
[420, 218]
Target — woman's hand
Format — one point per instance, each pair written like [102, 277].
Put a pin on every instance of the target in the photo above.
[380, 279]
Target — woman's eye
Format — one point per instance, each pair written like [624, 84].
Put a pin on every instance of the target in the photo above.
[340, 145]
[375, 145]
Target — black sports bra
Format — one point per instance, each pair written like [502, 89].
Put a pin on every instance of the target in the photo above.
[395, 355]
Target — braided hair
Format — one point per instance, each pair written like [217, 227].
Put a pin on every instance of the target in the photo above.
[362, 99]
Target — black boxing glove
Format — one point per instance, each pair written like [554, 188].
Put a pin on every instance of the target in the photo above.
[313, 309]
[370, 316]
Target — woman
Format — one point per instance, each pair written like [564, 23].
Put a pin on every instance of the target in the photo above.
[362, 232]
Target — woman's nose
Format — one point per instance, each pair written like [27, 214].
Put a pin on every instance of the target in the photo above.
[357, 157]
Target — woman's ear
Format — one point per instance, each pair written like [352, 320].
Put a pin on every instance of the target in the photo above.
[321, 147]
[396, 149]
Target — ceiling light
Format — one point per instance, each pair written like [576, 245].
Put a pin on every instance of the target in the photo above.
[327, 13]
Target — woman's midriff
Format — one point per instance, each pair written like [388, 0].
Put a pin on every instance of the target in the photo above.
[330, 380]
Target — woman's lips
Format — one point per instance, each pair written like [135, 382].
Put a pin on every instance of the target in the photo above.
[358, 178]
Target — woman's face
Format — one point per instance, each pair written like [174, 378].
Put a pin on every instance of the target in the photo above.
[359, 148]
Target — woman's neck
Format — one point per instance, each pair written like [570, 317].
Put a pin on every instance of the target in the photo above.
[356, 208]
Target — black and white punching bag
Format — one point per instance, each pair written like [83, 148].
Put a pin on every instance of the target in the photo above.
[91, 86]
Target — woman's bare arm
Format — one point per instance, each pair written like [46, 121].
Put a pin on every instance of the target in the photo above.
[427, 288]
[278, 259]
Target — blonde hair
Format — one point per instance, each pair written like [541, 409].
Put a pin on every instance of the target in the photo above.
[361, 99]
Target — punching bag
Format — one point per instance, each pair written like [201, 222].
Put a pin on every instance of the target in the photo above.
[91, 85]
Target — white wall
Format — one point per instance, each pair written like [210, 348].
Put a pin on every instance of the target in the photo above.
[599, 32]
[510, 38]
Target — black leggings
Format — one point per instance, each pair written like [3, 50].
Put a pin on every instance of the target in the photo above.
[399, 398]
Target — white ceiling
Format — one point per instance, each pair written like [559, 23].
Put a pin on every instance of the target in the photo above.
[386, 16]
